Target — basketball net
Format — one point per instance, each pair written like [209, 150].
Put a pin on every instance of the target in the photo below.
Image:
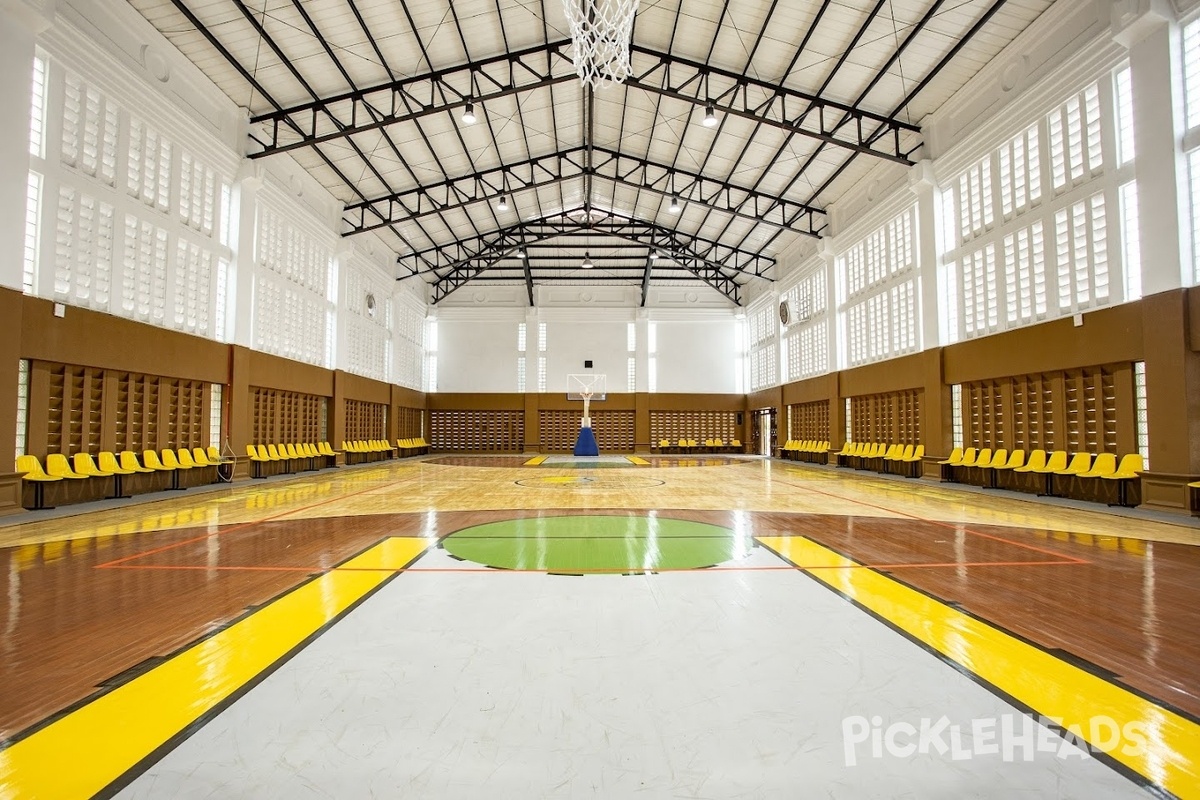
[600, 31]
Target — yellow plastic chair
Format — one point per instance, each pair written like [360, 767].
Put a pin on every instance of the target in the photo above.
[58, 466]
[1104, 465]
[1037, 460]
[32, 471]
[956, 457]
[201, 459]
[915, 459]
[184, 457]
[1079, 463]
[1129, 469]
[85, 465]
[997, 461]
[129, 461]
[108, 463]
[151, 459]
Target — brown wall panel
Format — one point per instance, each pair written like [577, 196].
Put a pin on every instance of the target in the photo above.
[11, 309]
[454, 401]
[91, 339]
[1107, 336]
[273, 372]
[906, 372]
[356, 387]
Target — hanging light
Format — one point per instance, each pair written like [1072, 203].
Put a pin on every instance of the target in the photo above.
[587, 262]
[654, 255]
[521, 252]
[710, 116]
[503, 204]
[674, 207]
[468, 115]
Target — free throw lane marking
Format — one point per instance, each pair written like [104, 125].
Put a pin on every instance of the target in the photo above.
[641, 462]
[535, 461]
[1169, 755]
[90, 748]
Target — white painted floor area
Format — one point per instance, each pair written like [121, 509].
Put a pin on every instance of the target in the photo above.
[709, 684]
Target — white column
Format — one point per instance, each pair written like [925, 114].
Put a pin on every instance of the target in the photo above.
[20, 23]
[923, 184]
[342, 255]
[240, 314]
[833, 302]
[1147, 29]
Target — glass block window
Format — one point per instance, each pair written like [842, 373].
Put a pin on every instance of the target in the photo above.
[849, 422]
[1123, 85]
[1025, 275]
[1143, 420]
[975, 208]
[33, 232]
[22, 404]
[521, 337]
[198, 194]
[222, 301]
[1131, 241]
[521, 374]
[541, 373]
[980, 294]
[1191, 73]
[37, 110]
[214, 416]
[541, 337]
[956, 414]
[631, 373]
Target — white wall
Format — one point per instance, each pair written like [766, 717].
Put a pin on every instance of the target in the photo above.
[480, 355]
[569, 344]
[697, 356]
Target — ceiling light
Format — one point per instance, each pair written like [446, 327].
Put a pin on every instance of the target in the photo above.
[503, 204]
[587, 262]
[468, 115]
[653, 255]
[674, 207]
[520, 252]
[710, 116]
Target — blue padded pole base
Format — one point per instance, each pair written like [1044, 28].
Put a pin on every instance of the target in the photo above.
[585, 445]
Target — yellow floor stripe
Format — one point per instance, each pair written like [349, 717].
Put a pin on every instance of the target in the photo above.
[1170, 753]
[641, 462]
[535, 461]
[86, 750]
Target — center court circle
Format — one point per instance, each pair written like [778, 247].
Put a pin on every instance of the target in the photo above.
[603, 544]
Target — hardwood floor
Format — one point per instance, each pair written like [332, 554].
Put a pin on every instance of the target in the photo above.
[89, 602]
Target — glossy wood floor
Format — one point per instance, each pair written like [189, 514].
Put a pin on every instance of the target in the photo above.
[91, 601]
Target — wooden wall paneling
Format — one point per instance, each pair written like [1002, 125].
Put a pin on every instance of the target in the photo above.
[1125, 438]
[111, 414]
[37, 441]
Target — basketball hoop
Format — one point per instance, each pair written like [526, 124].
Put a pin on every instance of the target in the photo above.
[586, 387]
[600, 32]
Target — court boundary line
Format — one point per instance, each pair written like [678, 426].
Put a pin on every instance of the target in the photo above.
[1119, 767]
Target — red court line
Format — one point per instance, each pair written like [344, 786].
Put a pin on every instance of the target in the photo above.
[244, 525]
[614, 570]
[951, 525]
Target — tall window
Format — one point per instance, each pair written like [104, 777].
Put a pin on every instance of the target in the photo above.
[652, 357]
[22, 404]
[1143, 420]
[521, 341]
[1051, 250]
[431, 359]
[763, 339]
[878, 292]
[631, 359]
[541, 356]
[806, 338]
[1191, 74]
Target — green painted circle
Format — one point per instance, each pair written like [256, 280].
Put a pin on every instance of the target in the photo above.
[580, 544]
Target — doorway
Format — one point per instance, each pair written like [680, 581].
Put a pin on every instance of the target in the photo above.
[763, 431]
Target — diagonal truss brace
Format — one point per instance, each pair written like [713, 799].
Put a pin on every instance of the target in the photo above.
[777, 106]
[412, 98]
[639, 173]
[715, 254]
[459, 263]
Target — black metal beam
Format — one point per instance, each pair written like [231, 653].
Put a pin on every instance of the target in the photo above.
[473, 257]
[760, 101]
[412, 98]
[483, 185]
[647, 234]
[646, 279]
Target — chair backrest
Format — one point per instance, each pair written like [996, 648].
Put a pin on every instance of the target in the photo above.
[998, 458]
[919, 452]
[169, 461]
[1105, 464]
[732, 443]
[29, 466]
[56, 464]
[129, 460]
[251, 451]
[1131, 463]
[968, 457]
[200, 458]
[955, 455]
[214, 455]
[1056, 460]
[185, 457]
[150, 459]
[1015, 459]
[1080, 462]
[908, 451]
[83, 464]
[291, 451]
[108, 463]
[1037, 460]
